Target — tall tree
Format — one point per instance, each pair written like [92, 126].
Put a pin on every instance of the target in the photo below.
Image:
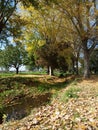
[50, 28]
[82, 15]
[13, 56]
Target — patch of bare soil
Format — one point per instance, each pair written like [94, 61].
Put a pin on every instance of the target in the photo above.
[77, 114]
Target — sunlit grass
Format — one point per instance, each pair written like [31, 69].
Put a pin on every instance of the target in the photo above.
[71, 92]
[15, 86]
[6, 74]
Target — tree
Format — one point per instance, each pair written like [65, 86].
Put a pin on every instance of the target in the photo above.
[30, 63]
[11, 24]
[76, 47]
[13, 56]
[50, 30]
[82, 15]
[3, 61]
[52, 60]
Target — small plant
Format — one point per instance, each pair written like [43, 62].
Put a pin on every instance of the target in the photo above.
[70, 93]
[41, 88]
[44, 87]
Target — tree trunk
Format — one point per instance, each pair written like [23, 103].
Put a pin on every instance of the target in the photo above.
[0, 30]
[73, 65]
[1, 27]
[50, 71]
[86, 64]
[77, 72]
[17, 70]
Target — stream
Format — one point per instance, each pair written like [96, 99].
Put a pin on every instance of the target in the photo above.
[23, 106]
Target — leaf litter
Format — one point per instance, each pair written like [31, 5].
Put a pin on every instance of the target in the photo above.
[76, 114]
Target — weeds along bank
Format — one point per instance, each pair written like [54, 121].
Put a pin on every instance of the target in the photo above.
[26, 92]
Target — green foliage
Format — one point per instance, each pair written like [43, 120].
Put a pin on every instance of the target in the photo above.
[49, 25]
[34, 3]
[17, 87]
[30, 62]
[72, 92]
[49, 55]
[41, 88]
[13, 56]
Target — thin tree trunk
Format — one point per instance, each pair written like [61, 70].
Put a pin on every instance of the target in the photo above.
[77, 72]
[1, 27]
[50, 71]
[73, 65]
[17, 70]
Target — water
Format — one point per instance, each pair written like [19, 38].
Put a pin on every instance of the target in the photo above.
[23, 106]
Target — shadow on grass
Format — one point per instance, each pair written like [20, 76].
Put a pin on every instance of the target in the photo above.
[25, 93]
[30, 82]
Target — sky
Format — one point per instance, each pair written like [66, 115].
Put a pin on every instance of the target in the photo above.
[22, 68]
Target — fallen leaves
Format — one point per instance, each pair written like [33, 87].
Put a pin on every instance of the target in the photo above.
[77, 114]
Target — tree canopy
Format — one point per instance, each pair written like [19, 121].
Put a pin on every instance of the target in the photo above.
[65, 29]
[13, 56]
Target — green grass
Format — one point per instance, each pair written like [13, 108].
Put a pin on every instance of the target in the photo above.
[72, 92]
[12, 86]
[6, 74]
[33, 73]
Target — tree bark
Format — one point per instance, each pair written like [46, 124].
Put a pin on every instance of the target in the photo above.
[77, 72]
[73, 65]
[17, 70]
[50, 71]
[86, 64]
[0, 30]
[1, 27]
